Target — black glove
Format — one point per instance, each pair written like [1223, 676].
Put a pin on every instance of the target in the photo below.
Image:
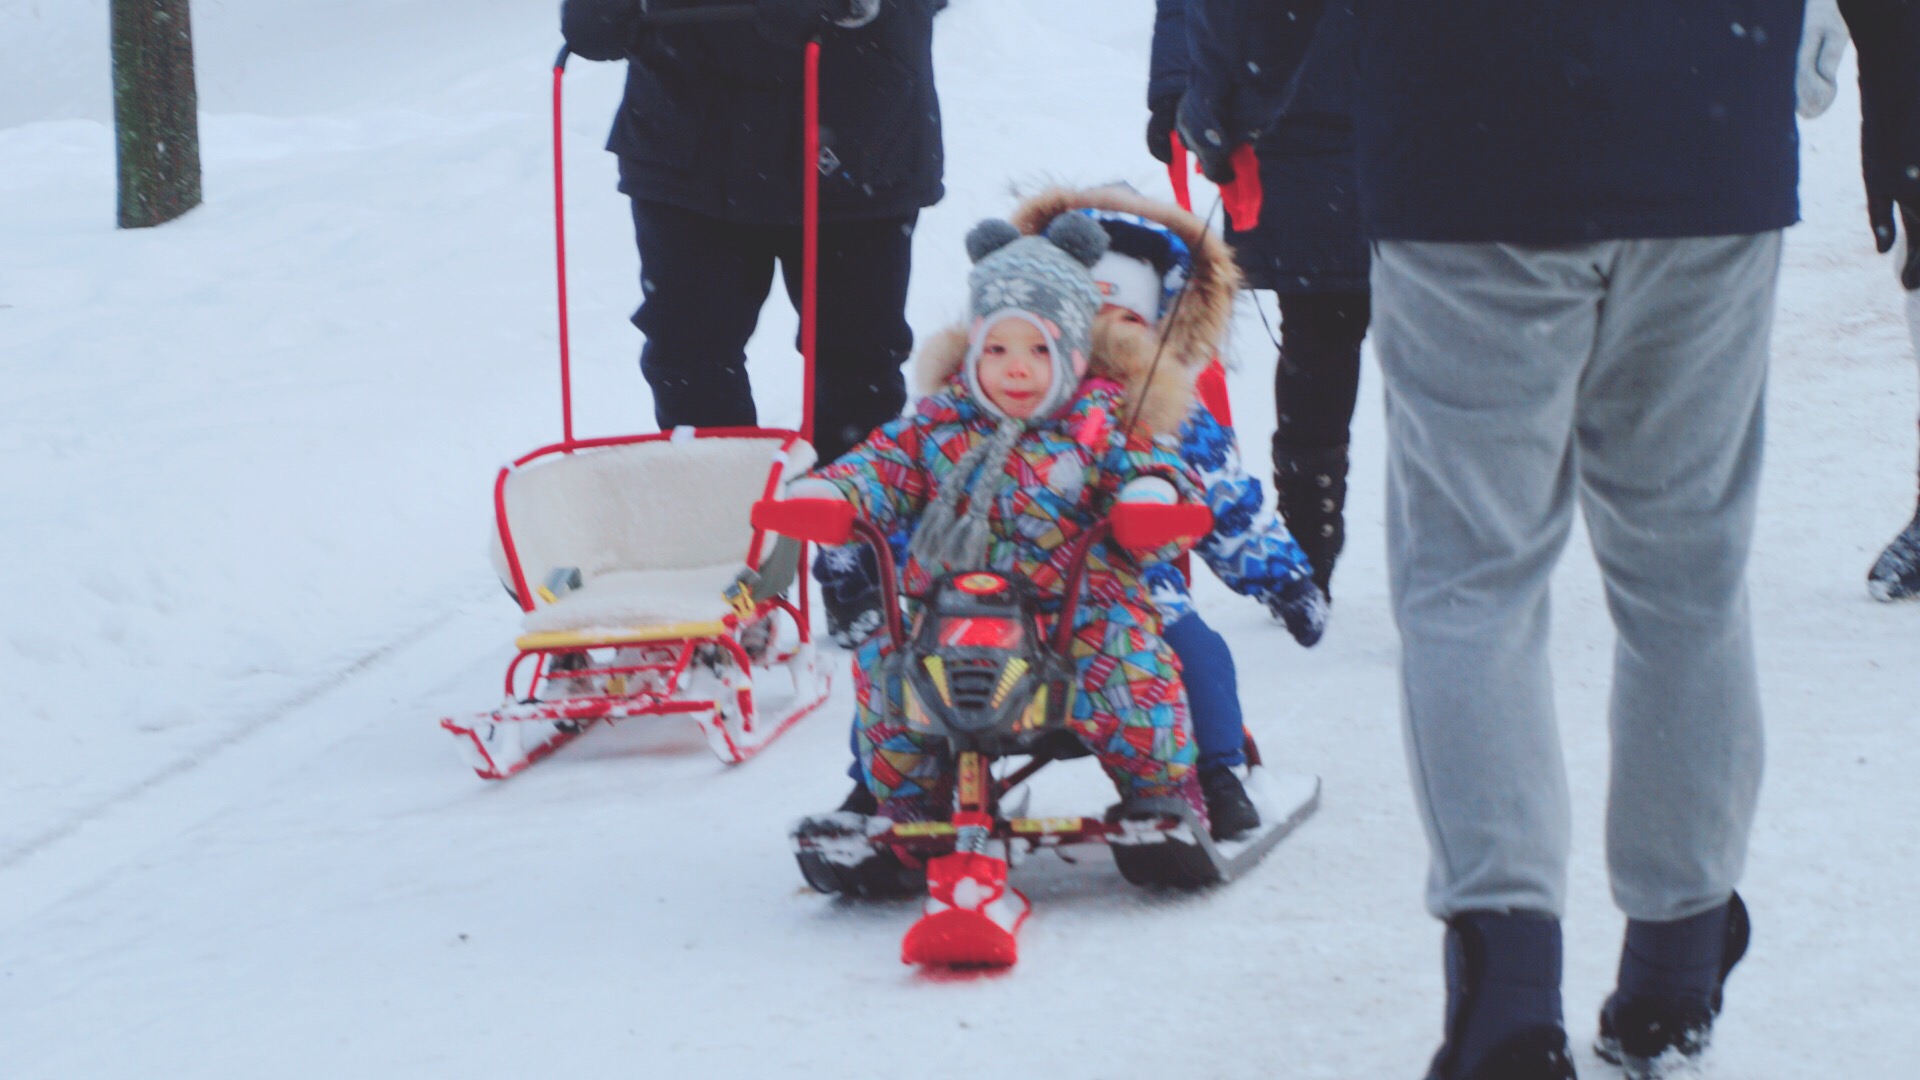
[1160, 122]
[790, 22]
[1206, 139]
[1910, 266]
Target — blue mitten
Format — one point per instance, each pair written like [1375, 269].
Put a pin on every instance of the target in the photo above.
[1302, 607]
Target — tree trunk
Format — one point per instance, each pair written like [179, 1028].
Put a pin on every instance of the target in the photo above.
[155, 111]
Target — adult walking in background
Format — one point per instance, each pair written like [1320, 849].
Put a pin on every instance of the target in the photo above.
[1889, 151]
[1576, 212]
[709, 140]
[1308, 248]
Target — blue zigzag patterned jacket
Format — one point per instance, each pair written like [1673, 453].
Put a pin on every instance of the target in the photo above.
[1250, 548]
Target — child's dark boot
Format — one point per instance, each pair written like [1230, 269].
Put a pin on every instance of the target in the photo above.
[1230, 813]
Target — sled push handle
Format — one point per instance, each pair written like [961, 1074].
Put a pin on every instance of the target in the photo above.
[1137, 527]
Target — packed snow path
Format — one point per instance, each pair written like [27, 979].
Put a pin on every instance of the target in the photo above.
[243, 519]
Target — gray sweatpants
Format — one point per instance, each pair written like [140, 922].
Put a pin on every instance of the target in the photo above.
[1629, 374]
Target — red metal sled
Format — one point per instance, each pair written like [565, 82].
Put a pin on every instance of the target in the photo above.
[640, 603]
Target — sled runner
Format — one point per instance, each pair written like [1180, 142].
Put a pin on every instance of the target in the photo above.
[977, 670]
[647, 591]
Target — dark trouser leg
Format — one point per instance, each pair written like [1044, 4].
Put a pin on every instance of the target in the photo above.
[863, 335]
[703, 282]
[1315, 383]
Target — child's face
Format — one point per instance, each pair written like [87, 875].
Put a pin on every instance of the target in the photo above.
[1115, 312]
[1015, 367]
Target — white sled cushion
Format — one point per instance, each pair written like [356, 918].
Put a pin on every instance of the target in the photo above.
[627, 599]
[670, 504]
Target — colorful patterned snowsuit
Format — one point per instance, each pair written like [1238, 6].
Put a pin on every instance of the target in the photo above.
[1130, 708]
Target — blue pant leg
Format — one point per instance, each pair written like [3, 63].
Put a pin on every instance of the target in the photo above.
[1213, 690]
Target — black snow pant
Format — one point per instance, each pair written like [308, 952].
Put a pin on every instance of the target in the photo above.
[704, 281]
[1318, 375]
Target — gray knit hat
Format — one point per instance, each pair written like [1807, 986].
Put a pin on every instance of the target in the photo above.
[1045, 278]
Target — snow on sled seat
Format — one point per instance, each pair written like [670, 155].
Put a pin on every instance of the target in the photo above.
[622, 553]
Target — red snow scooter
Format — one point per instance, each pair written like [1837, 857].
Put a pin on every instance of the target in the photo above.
[647, 589]
[976, 670]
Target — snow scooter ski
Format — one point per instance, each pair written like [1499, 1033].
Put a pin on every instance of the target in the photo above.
[976, 670]
[647, 589]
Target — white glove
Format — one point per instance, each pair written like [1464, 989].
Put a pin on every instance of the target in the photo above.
[1823, 44]
[1149, 489]
[859, 13]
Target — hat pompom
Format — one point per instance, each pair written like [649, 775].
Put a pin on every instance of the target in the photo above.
[1080, 237]
[990, 236]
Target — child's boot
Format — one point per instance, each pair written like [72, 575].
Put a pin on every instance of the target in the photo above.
[1312, 488]
[1503, 1000]
[1230, 813]
[1671, 977]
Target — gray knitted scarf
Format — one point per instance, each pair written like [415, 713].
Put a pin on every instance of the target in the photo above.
[948, 540]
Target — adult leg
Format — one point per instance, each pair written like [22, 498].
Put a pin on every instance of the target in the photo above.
[1670, 432]
[703, 282]
[863, 336]
[1896, 573]
[1671, 427]
[1315, 382]
[1481, 348]
[862, 339]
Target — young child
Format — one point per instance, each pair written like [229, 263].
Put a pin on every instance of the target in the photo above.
[1011, 462]
[1156, 252]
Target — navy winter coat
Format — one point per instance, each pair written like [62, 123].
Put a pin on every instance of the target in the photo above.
[712, 116]
[1294, 106]
[1887, 35]
[1558, 121]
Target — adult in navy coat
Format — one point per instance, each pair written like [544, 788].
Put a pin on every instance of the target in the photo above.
[1308, 247]
[709, 141]
[1576, 210]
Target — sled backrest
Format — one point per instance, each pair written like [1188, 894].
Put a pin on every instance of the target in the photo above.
[650, 503]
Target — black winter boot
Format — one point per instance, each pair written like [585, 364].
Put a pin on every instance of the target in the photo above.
[1312, 488]
[1503, 1000]
[1896, 575]
[1671, 979]
[1230, 814]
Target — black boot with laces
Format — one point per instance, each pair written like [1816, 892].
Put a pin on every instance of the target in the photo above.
[1312, 488]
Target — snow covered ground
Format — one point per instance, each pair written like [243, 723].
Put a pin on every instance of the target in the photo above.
[242, 514]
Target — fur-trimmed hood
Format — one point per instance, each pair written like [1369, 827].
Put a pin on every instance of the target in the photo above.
[1124, 353]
